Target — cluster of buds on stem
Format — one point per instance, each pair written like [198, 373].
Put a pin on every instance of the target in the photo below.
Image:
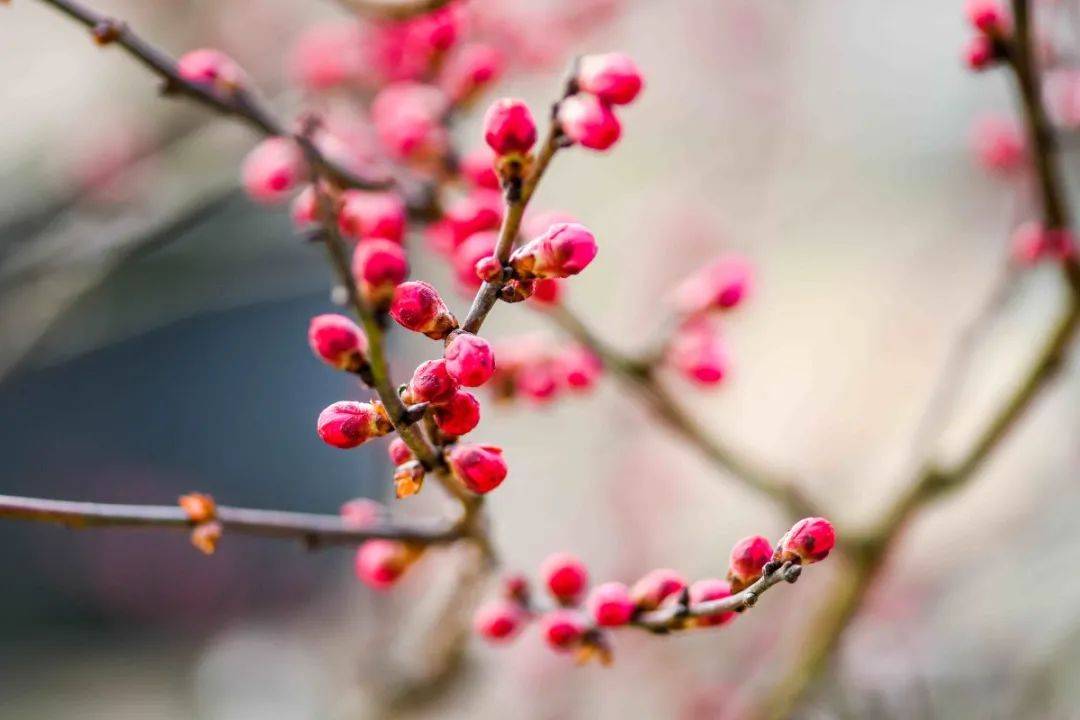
[578, 619]
[988, 45]
[603, 81]
[536, 369]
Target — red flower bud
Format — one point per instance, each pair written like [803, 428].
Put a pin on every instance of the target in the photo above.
[612, 77]
[711, 589]
[210, 67]
[985, 15]
[610, 604]
[509, 127]
[408, 119]
[305, 211]
[431, 383]
[470, 70]
[565, 249]
[379, 563]
[348, 424]
[459, 415]
[272, 169]
[564, 576]
[478, 169]
[476, 212]
[366, 215]
[498, 620]
[697, 351]
[809, 541]
[580, 367]
[481, 468]
[747, 558]
[469, 359]
[656, 586]
[562, 629]
[337, 341]
[489, 269]
[399, 452]
[417, 306]
[589, 122]
[470, 252]
[998, 143]
[379, 266]
[546, 292]
[720, 285]
[980, 53]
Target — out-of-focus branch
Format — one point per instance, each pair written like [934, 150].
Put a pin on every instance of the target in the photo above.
[641, 378]
[240, 102]
[393, 9]
[312, 530]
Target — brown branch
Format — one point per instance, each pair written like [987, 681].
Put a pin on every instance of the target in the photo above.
[313, 530]
[240, 103]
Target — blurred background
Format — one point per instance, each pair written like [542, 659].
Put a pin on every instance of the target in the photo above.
[152, 342]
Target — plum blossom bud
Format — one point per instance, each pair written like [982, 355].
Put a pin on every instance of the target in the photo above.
[697, 351]
[589, 122]
[546, 292]
[408, 120]
[459, 415]
[562, 629]
[579, 366]
[478, 169]
[348, 424]
[417, 306]
[431, 383]
[468, 254]
[408, 479]
[1031, 243]
[379, 266]
[980, 53]
[809, 541]
[481, 468]
[367, 214]
[498, 620]
[611, 77]
[399, 452]
[210, 67]
[565, 577]
[720, 285]
[489, 269]
[469, 359]
[537, 381]
[470, 70]
[655, 587]
[272, 169]
[478, 211]
[610, 604]
[706, 590]
[985, 15]
[379, 563]
[304, 211]
[327, 56]
[564, 250]
[509, 127]
[361, 512]
[998, 144]
[338, 342]
[748, 557]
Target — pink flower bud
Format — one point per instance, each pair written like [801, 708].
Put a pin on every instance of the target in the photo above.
[348, 424]
[489, 269]
[610, 604]
[546, 292]
[537, 380]
[655, 587]
[998, 144]
[327, 56]
[417, 306]
[337, 341]
[697, 351]
[1031, 243]
[272, 169]
[589, 122]
[580, 367]
[478, 169]
[367, 215]
[305, 209]
[612, 77]
[562, 629]
[470, 70]
[564, 576]
[379, 563]
[408, 120]
[469, 359]
[478, 211]
[985, 15]
[210, 67]
[379, 266]
[809, 541]
[564, 250]
[399, 452]
[431, 383]
[481, 468]
[498, 620]
[509, 127]
[980, 53]
[470, 252]
[711, 589]
[361, 512]
[720, 285]
[459, 415]
[748, 557]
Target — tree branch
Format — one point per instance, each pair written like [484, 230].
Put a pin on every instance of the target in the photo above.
[313, 530]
